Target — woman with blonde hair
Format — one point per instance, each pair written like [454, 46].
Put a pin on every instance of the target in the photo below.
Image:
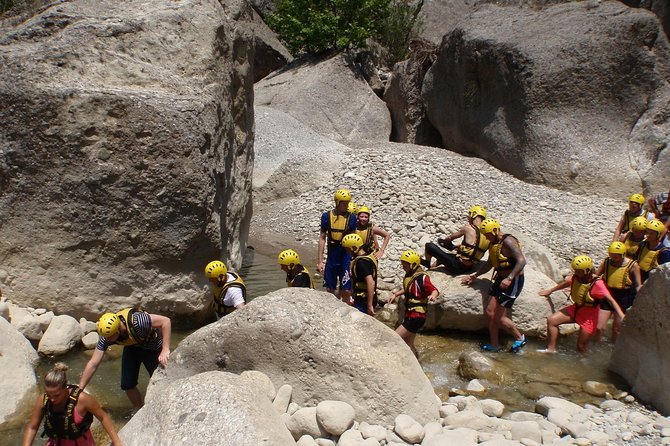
[67, 412]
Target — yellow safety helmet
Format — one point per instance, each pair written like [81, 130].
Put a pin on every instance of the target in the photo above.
[288, 257]
[477, 211]
[109, 325]
[617, 248]
[489, 226]
[364, 210]
[638, 224]
[637, 198]
[215, 269]
[656, 226]
[342, 195]
[582, 263]
[352, 241]
[412, 257]
[352, 208]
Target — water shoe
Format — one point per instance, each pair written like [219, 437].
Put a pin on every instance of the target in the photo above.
[490, 348]
[516, 346]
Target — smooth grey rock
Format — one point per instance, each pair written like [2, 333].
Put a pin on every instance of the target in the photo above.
[46, 318]
[87, 326]
[183, 411]
[335, 416]
[352, 437]
[283, 398]
[90, 340]
[474, 364]
[526, 429]
[408, 429]
[492, 408]
[306, 440]
[372, 431]
[304, 422]
[543, 405]
[63, 334]
[30, 328]
[260, 381]
[4, 310]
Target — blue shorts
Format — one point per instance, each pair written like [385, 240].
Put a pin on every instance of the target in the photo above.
[335, 274]
[506, 297]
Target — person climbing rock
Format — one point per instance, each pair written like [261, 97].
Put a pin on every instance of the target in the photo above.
[369, 231]
[296, 274]
[634, 238]
[363, 274]
[230, 292]
[634, 210]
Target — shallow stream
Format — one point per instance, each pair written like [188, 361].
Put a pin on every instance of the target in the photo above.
[523, 377]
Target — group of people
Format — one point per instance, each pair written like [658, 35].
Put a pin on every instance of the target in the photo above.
[349, 240]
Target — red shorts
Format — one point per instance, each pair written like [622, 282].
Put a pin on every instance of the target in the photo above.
[586, 317]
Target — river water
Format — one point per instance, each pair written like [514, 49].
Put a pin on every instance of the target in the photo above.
[522, 377]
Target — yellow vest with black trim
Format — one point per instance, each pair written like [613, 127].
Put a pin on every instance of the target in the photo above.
[126, 316]
[580, 293]
[414, 303]
[220, 294]
[303, 272]
[498, 260]
[476, 251]
[367, 236]
[618, 277]
[632, 246]
[338, 226]
[61, 425]
[360, 285]
[648, 258]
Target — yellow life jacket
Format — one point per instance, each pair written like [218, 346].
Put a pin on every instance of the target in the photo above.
[360, 285]
[618, 277]
[132, 338]
[631, 245]
[580, 293]
[628, 218]
[338, 227]
[303, 272]
[498, 260]
[220, 294]
[368, 237]
[476, 251]
[648, 258]
[414, 303]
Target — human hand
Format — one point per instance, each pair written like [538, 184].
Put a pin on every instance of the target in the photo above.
[319, 267]
[545, 293]
[505, 283]
[163, 357]
[467, 280]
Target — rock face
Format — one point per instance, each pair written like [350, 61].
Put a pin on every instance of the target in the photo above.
[642, 355]
[214, 408]
[562, 96]
[269, 54]
[17, 360]
[126, 152]
[323, 348]
[331, 96]
[659, 7]
[462, 307]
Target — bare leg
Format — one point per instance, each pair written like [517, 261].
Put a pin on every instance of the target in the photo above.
[491, 308]
[553, 322]
[408, 337]
[603, 317]
[583, 341]
[504, 321]
[616, 327]
[135, 397]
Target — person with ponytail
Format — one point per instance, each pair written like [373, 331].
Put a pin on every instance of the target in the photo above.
[67, 412]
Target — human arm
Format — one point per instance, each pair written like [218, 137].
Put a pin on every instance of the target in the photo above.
[33, 426]
[319, 252]
[87, 403]
[513, 249]
[430, 288]
[386, 235]
[637, 276]
[165, 325]
[559, 286]
[91, 367]
[483, 269]
[601, 269]
[395, 295]
[447, 241]
[619, 229]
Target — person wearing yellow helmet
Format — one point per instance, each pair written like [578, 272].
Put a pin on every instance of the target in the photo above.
[587, 291]
[508, 262]
[635, 203]
[634, 238]
[468, 253]
[145, 339]
[622, 278]
[369, 231]
[230, 292]
[418, 291]
[296, 274]
[363, 274]
[652, 251]
[335, 225]
[67, 412]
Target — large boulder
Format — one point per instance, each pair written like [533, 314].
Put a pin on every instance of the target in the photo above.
[64, 333]
[330, 95]
[642, 354]
[462, 307]
[126, 152]
[212, 408]
[17, 360]
[564, 95]
[269, 53]
[324, 349]
[659, 7]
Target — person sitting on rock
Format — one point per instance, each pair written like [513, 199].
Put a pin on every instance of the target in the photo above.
[146, 340]
[652, 251]
[67, 412]
[418, 291]
[335, 225]
[634, 210]
[634, 238]
[368, 231]
[622, 278]
[296, 274]
[508, 262]
[587, 290]
[468, 253]
[363, 274]
[230, 292]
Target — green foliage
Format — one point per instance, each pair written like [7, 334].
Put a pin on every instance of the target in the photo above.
[400, 26]
[311, 26]
[6, 4]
